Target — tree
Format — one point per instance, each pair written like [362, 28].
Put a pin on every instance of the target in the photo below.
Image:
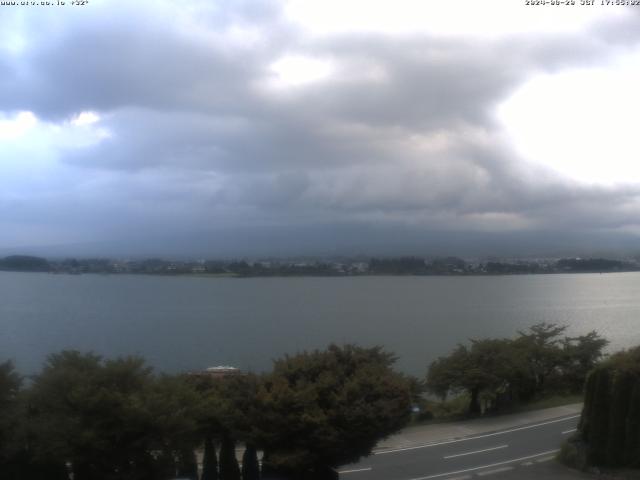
[228, 414]
[581, 355]
[187, 464]
[485, 370]
[110, 418]
[164, 465]
[209, 460]
[541, 349]
[610, 421]
[416, 388]
[229, 469]
[174, 410]
[62, 402]
[10, 383]
[11, 430]
[250, 465]
[326, 408]
[499, 371]
[443, 376]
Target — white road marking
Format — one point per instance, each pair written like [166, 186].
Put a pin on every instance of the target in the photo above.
[465, 477]
[545, 459]
[513, 460]
[569, 431]
[427, 445]
[496, 470]
[477, 451]
[356, 470]
[526, 464]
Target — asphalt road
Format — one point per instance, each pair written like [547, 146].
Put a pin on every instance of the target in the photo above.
[477, 456]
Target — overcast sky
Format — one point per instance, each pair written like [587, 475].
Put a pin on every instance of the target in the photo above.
[319, 126]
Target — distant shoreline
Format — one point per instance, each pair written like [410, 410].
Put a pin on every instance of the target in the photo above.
[239, 276]
[343, 267]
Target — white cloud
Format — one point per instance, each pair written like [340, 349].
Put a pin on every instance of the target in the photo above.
[580, 123]
[18, 126]
[457, 17]
[211, 114]
[31, 147]
[298, 70]
[85, 118]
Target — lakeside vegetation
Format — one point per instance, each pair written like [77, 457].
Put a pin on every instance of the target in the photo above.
[328, 268]
[107, 419]
[495, 375]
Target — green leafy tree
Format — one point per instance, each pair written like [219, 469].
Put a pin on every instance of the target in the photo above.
[12, 434]
[581, 355]
[228, 413]
[495, 372]
[326, 408]
[485, 370]
[445, 375]
[417, 388]
[111, 419]
[540, 346]
[174, 410]
[10, 383]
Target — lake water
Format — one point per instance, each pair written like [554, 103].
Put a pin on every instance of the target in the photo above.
[181, 323]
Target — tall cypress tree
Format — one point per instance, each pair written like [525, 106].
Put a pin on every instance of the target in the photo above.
[44, 470]
[632, 448]
[620, 403]
[188, 464]
[599, 422]
[610, 423]
[165, 465]
[229, 469]
[267, 467]
[250, 465]
[209, 461]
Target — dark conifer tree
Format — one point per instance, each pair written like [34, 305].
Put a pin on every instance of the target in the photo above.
[41, 470]
[610, 423]
[165, 465]
[250, 465]
[209, 461]
[229, 469]
[267, 468]
[188, 464]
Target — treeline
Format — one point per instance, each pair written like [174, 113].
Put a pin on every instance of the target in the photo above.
[343, 267]
[593, 265]
[89, 418]
[24, 263]
[497, 373]
[458, 266]
[283, 269]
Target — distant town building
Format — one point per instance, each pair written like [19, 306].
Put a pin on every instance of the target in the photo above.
[218, 372]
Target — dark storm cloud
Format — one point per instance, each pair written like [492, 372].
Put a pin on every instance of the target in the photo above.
[202, 137]
[112, 66]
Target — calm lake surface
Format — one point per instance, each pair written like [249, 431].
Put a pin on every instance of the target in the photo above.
[181, 323]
